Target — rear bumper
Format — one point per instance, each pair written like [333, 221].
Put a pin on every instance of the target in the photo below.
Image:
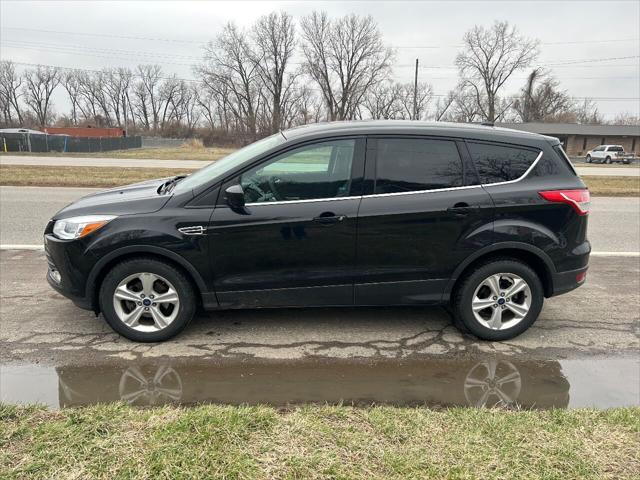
[564, 282]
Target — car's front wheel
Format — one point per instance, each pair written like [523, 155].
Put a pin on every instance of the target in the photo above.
[588, 158]
[147, 300]
[499, 300]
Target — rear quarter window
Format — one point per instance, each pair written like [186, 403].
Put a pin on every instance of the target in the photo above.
[498, 163]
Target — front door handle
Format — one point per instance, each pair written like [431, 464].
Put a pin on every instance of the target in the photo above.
[329, 218]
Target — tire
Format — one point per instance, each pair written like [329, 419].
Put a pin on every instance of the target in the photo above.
[607, 160]
[471, 287]
[588, 158]
[156, 322]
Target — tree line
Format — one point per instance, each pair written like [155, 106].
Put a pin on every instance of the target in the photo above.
[276, 74]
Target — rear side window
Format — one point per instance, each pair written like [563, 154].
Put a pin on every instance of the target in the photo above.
[496, 163]
[615, 149]
[407, 165]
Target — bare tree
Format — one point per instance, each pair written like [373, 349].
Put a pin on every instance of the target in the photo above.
[39, 86]
[587, 112]
[10, 92]
[423, 97]
[490, 57]
[541, 100]
[460, 105]
[115, 85]
[71, 84]
[345, 57]
[146, 94]
[230, 69]
[273, 38]
[626, 118]
[384, 101]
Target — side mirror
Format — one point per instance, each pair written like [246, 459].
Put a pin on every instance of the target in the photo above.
[234, 196]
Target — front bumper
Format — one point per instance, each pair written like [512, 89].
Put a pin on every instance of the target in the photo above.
[67, 269]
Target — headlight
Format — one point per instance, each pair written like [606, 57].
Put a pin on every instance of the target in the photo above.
[78, 227]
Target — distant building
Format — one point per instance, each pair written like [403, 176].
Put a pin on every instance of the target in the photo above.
[85, 131]
[578, 139]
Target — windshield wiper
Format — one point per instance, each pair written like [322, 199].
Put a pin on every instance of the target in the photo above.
[167, 186]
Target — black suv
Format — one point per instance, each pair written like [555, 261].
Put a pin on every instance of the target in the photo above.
[483, 220]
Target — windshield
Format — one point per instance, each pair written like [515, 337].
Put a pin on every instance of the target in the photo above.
[232, 160]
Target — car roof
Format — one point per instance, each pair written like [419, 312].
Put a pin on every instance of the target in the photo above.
[414, 127]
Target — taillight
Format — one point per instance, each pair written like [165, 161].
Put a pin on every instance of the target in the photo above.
[578, 199]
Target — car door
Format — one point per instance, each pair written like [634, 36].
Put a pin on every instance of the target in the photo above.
[293, 244]
[598, 153]
[422, 213]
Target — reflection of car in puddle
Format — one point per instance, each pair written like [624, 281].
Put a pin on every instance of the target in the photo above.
[493, 383]
[140, 387]
[489, 382]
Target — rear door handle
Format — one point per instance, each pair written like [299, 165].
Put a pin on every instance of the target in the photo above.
[463, 209]
[329, 218]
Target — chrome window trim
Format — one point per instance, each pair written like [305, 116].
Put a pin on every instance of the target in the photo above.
[413, 192]
[311, 200]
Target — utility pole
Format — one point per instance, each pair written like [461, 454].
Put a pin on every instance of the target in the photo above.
[124, 110]
[415, 93]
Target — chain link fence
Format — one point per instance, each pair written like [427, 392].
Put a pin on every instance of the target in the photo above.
[27, 142]
[159, 142]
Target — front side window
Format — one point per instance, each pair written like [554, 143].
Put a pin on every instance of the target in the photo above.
[497, 163]
[317, 171]
[217, 169]
[407, 165]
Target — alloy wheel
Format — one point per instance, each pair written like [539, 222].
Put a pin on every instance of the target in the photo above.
[146, 302]
[501, 301]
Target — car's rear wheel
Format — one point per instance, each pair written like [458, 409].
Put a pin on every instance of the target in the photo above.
[147, 300]
[607, 160]
[499, 300]
[588, 158]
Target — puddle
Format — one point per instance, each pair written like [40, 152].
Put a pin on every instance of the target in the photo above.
[596, 382]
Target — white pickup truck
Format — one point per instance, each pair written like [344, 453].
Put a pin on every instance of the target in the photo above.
[609, 154]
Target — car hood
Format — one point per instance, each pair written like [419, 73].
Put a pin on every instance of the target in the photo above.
[132, 199]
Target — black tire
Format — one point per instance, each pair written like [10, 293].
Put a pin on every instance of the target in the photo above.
[607, 160]
[588, 159]
[464, 293]
[182, 285]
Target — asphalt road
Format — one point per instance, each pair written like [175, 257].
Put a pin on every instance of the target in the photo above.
[615, 171]
[40, 326]
[614, 223]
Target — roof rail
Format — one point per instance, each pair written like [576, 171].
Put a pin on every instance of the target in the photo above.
[488, 124]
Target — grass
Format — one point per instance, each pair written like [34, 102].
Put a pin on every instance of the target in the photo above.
[174, 153]
[613, 186]
[213, 441]
[104, 177]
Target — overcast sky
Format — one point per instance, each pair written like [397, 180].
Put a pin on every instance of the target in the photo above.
[96, 34]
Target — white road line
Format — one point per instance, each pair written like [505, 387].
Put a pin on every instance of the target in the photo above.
[593, 254]
[615, 254]
[21, 247]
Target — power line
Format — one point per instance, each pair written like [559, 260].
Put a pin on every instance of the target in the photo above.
[175, 40]
[70, 50]
[192, 80]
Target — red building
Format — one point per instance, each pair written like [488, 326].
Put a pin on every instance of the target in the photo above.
[85, 131]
